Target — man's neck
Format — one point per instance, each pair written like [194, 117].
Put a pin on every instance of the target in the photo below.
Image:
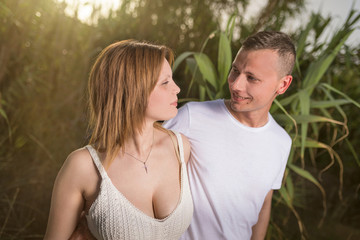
[254, 119]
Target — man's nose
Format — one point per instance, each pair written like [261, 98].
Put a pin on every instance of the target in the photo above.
[239, 82]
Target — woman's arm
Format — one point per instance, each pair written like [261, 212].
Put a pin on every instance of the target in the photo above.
[67, 197]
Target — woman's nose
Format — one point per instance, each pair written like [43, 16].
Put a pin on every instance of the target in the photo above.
[176, 88]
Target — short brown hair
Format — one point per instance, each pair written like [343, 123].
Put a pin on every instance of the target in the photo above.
[120, 82]
[277, 41]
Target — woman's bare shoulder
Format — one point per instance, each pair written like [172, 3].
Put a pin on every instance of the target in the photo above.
[79, 159]
[169, 140]
[79, 166]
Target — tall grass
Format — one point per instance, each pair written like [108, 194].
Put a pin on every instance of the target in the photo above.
[44, 64]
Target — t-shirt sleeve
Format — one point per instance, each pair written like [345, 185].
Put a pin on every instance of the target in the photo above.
[278, 180]
[181, 122]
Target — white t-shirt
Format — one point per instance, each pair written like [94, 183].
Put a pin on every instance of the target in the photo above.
[232, 168]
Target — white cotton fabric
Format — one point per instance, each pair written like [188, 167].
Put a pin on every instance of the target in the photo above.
[231, 169]
[112, 216]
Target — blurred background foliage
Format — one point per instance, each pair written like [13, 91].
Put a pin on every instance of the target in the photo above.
[45, 56]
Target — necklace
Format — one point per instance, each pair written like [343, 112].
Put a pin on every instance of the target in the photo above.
[143, 162]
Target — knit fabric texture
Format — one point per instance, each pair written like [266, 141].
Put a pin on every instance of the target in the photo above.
[112, 216]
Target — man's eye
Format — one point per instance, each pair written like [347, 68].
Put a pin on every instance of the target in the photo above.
[234, 70]
[251, 78]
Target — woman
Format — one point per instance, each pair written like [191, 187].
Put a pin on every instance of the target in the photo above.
[131, 179]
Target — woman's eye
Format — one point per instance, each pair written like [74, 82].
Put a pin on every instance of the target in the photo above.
[164, 83]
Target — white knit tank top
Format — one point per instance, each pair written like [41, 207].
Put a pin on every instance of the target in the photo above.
[112, 216]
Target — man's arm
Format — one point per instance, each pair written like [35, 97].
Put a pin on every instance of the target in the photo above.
[82, 231]
[260, 228]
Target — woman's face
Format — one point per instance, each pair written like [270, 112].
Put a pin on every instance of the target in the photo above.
[162, 101]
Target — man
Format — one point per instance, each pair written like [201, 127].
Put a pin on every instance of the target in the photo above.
[239, 152]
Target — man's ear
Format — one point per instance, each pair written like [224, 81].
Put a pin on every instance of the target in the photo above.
[284, 84]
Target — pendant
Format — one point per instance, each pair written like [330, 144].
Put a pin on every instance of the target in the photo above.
[145, 168]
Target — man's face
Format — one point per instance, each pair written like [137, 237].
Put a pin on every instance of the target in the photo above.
[254, 81]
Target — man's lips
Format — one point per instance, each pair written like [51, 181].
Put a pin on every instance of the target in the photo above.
[238, 98]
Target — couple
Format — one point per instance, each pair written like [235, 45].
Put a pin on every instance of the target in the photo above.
[132, 181]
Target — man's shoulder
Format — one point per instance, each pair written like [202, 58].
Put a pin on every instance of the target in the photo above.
[280, 131]
[205, 105]
[193, 113]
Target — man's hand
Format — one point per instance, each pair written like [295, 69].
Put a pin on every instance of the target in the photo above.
[82, 231]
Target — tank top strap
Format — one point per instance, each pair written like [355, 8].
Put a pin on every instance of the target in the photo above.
[96, 160]
[181, 147]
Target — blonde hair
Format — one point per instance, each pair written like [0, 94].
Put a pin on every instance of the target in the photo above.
[120, 82]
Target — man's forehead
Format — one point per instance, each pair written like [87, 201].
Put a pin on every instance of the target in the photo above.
[258, 62]
[243, 55]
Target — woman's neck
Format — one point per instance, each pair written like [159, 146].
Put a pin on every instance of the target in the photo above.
[141, 143]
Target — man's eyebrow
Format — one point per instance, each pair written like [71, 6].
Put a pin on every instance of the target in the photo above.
[251, 74]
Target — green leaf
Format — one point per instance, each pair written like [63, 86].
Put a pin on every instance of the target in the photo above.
[206, 68]
[304, 35]
[319, 67]
[288, 100]
[5, 9]
[181, 58]
[305, 110]
[211, 35]
[341, 93]
[210, 93]
[351, 147]
[305, 174]
[314, 118]
[328, 104]
[337, 107]
[3, 114]
[230, 26]
[288, 117]
[309, 143]
[224, 58]
[290, 187]
[196, 76]
[202, 92]
[285, 195]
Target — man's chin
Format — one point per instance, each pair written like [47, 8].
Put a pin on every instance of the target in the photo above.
[236, 107]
